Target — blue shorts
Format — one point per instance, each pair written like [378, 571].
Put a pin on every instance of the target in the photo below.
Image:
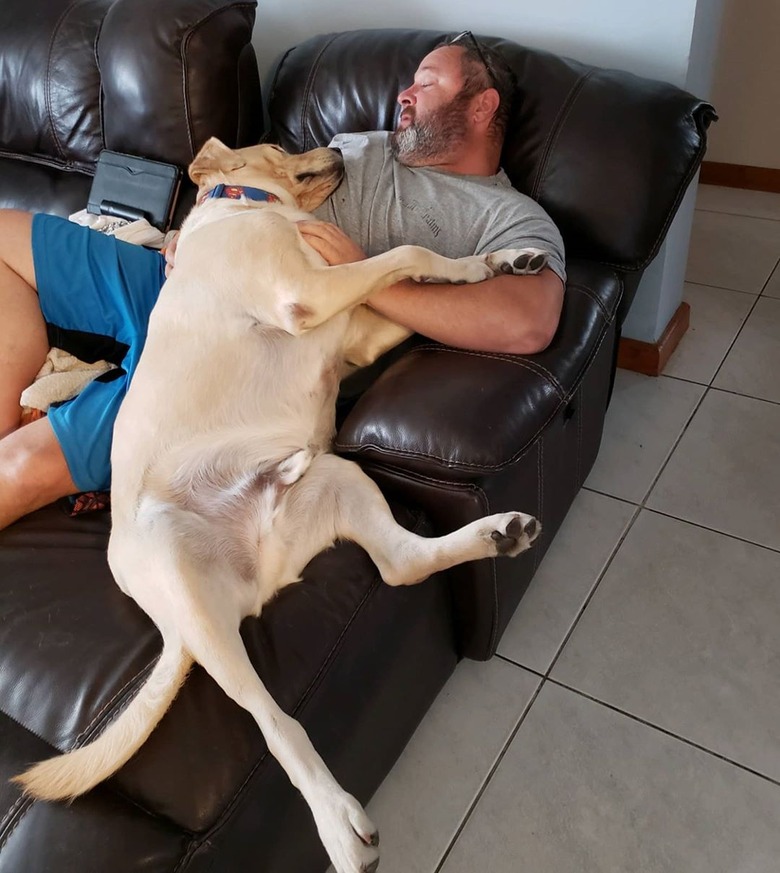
[96, 294]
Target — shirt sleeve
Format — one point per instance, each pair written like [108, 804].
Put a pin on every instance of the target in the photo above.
[521, 222]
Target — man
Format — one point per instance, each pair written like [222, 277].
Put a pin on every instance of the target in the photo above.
[440, 187]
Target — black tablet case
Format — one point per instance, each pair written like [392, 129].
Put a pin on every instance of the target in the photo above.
[130, 187]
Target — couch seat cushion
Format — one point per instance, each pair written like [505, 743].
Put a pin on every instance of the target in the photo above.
[75, 649]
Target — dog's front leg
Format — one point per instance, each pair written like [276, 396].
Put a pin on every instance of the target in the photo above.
[370, 335]
[319, 293]
[316, 294]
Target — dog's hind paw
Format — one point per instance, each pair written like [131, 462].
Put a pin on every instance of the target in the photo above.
[512, 532]
[517, 262]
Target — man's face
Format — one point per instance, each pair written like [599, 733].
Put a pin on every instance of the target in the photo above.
[433, 118]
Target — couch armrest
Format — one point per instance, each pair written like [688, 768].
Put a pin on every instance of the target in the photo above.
[463, 435]
[460, 415]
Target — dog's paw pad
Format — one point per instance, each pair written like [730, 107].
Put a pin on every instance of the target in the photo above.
[514, 534]
[518, 262]
[529, 263]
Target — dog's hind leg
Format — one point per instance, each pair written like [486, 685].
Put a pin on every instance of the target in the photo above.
[337, 500]
[345, 830]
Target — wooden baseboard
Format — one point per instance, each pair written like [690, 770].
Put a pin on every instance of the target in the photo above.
[740, 176]
[651, 358]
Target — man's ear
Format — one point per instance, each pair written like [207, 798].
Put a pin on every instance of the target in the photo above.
[485, 106]
[214, 157]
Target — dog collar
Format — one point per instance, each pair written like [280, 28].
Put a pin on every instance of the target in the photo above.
[236, 192]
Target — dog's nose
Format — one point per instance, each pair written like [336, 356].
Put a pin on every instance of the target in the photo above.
[334, 149]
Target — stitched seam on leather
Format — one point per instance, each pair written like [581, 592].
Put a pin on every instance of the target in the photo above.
[681, 191]
[63, 165]
[594, 297]
[30, 801]
[188, 34]
[96, 720]
[555, 131]
[540, 492]
[493, 638]
[100, 82]
[413, 474]
[22, 806]
[47, 81]
[309, 88]
[232, 803]
[533, 366]
[579, 415]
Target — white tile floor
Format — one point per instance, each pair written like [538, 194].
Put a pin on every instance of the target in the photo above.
[631, 720]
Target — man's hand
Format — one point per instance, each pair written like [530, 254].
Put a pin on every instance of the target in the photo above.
[330, 242]
[170, 253]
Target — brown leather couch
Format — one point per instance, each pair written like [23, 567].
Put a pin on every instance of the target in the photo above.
[448, 434]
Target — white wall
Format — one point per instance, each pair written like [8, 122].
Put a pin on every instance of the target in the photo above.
[664, 39]
[648, 37]
[746, 89]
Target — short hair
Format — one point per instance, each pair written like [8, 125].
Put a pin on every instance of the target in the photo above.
[483, 68]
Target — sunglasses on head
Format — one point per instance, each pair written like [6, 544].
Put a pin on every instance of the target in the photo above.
[472, 40]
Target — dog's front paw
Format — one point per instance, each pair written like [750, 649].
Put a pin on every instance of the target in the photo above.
[458, 271]
[512, 532]
[349, 837]
[517, 262]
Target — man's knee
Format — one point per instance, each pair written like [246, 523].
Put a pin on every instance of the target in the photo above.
[33, 469]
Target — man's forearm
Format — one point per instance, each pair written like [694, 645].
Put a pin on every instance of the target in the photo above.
[512, 314]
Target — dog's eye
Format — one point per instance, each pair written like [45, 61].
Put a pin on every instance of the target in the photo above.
[302, 177]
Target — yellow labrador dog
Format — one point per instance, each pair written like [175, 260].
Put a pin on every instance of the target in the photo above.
[223, 484]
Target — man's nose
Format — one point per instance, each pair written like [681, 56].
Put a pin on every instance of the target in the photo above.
[407, 97]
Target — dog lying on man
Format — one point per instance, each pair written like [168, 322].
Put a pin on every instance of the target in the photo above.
[224, 486]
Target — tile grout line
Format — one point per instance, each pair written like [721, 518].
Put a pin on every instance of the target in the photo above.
[666, 731]
[742, 326]
[723, 288]
[714, 530]
[591, 594]
[747, 396]
[736, 214]
[488, 778]
[675, 444]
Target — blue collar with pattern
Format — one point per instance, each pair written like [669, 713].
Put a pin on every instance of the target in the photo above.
[236, 192]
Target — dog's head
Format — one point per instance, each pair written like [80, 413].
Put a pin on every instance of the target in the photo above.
[303, 180]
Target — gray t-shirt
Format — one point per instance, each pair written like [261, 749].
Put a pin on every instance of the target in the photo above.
[381, 204]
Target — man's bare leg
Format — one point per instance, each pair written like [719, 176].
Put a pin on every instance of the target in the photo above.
[23, 343]
[33, 471]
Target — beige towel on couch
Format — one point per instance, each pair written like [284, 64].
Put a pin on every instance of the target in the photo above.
[61, 378]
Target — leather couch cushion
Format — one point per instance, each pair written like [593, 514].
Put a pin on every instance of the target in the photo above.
[49, 84]
[75, 649]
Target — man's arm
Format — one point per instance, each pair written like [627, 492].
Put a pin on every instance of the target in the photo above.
[510, 314]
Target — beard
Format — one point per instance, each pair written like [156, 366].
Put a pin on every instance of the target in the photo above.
[428, 140]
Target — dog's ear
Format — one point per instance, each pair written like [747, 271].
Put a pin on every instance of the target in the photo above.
[215, 156]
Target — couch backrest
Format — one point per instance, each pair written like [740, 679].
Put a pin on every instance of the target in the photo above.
[50, 84]
[608, 154]
[137, 76]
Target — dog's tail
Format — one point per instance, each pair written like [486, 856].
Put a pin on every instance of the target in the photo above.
[69, 775]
